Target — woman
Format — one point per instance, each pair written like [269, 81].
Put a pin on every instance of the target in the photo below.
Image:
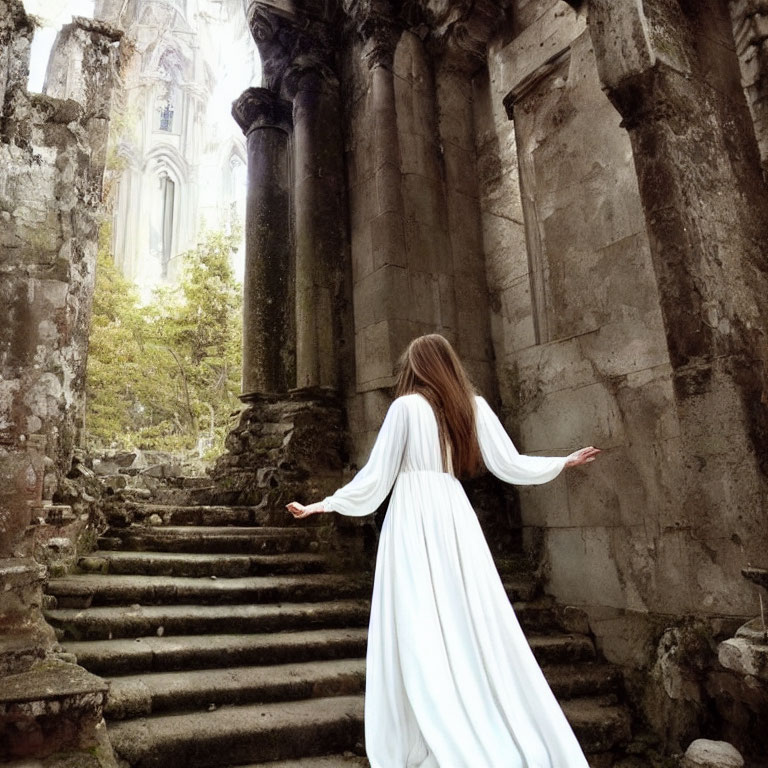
[451, 681]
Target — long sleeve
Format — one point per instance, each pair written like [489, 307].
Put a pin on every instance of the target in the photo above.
[370, 486]
[502, 458]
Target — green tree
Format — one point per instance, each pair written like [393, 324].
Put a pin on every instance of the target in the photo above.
[158, 374]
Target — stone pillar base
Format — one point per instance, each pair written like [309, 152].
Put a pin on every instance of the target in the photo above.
[292, 447]
[53, 712]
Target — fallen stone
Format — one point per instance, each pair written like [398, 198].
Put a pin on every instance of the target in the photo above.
[115, 482]
[704, 753]
[744, 656]
[123, 458]
[103, 467]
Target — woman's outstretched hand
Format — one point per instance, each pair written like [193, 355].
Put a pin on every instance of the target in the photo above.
[300, 511]
[581, 456]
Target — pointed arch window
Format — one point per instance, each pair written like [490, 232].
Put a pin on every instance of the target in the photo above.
[168, 195]
[168, 108]
[162, 221]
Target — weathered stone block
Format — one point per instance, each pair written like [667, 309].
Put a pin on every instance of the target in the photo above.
[428, 248]
[52, 707]
[571, 553]
[387, 240]
[517, 315]
[704, 753]
[744, 657]
[588, 416]
[424, 200]
[373, 353]
[381, 295]
[506, 253]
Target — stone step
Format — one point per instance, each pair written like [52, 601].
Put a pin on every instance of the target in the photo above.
[232, 734]
[520, 588]
[599, 723]
[239, 734]
[561, 648]
[536, 616]
[569, 681]
[204, 539]
[108, 622]
[165, 654]
[328, 761]
[208, 515]
[166, 495]
[84, 590]
[142, 695]
[190, 481]
[610, 760]
[201, 565]
[514, 565]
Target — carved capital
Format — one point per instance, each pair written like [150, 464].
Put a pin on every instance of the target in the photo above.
[462, 37]
[375, 24]
[261, 108]
[290, 47]
[309, 73]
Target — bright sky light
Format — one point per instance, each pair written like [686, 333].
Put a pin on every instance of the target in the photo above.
[53, 14]
[224, 34]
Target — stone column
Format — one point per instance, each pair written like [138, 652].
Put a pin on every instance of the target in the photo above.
[266, 121]
[750, 31]
[381, 326]
[378, 54]
[320, 220]
[706, 210]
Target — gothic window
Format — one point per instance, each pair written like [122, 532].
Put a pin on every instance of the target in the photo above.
[168, 192]
[237, 188]
[168, 94]
[167, 107]
[162, 221]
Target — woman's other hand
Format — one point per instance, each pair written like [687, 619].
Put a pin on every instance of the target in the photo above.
[581, 456]
[300, 511]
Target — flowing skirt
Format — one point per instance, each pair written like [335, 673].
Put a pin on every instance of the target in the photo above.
[451, 679]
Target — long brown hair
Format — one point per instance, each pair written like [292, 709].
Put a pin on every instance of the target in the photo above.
[431, 367]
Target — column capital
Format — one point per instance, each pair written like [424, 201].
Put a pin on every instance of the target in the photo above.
[261, 108]
[462, 40]
[310, 70]
[290, 48]
[376, 25]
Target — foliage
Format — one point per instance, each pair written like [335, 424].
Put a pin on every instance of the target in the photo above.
[158, 373]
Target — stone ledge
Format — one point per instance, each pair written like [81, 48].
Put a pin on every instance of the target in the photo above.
[48, 681]
[297, 394]
[53, 706]
[21, 647]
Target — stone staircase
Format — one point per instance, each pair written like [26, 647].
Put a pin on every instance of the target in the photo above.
[229, 637]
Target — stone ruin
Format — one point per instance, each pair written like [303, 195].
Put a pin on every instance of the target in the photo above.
[574, 193]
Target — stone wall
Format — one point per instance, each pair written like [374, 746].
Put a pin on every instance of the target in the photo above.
[52, 155]
[580, 344]
[52, 158]
[622, 316]
[416, 243]
[571, 192]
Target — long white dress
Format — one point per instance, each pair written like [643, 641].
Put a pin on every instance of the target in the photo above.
[451, 680]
